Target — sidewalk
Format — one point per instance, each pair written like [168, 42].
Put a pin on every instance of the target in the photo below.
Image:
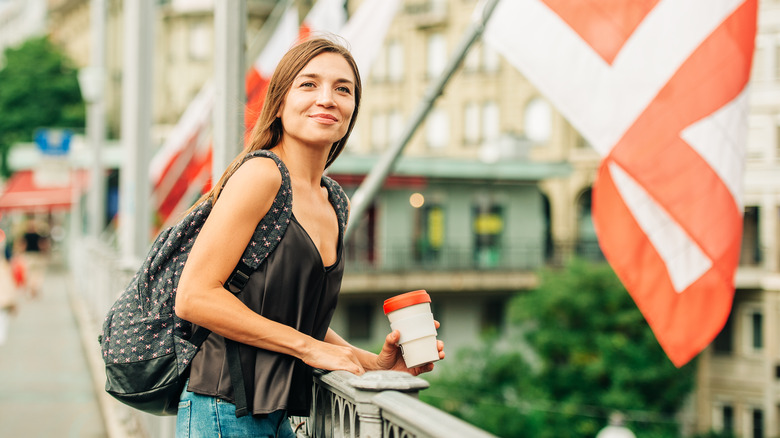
[46, 387]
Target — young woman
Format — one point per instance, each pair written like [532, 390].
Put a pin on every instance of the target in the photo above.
[281, 317]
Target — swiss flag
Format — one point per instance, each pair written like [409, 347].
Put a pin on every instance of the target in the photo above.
[658, 88]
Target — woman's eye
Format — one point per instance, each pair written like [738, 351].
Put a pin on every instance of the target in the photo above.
[344, 90]
[307, 84]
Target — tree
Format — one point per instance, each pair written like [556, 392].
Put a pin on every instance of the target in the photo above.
[38, 88]
[596, 355]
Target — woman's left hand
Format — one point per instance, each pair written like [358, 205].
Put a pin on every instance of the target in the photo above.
[390, 358]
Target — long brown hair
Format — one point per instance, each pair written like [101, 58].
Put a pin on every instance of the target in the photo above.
[268, 130]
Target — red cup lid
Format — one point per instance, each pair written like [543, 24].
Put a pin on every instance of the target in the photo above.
[406, 300]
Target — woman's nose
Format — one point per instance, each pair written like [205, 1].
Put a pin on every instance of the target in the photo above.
[325, 97]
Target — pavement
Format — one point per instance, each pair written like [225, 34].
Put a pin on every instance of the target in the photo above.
[46, 385]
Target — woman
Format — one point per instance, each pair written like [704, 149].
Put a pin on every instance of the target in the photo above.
[281, 318]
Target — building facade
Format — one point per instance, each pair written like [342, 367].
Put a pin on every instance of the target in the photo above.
[738, 387]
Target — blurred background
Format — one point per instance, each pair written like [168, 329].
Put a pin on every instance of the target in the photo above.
[488, 208]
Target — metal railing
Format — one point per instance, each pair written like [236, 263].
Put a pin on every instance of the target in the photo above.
[378, 404]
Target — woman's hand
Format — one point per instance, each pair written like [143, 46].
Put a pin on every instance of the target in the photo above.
[390, 358]
[331, 357]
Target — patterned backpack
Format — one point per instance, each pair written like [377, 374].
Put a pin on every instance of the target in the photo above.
[146, 348]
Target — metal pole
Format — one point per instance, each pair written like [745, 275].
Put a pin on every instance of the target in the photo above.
[373, 182]
[96, 119]
[266, 31]
[139, 19]
[230, 95]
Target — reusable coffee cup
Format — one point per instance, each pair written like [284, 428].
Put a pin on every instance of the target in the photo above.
[410, 314]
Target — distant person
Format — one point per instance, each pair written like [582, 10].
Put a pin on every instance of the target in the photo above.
[8, 295]
[33, 248]
[281, 318]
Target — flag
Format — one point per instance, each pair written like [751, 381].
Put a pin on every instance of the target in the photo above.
[658, 88]
[181, 170]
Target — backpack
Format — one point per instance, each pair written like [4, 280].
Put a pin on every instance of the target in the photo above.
[147, 349]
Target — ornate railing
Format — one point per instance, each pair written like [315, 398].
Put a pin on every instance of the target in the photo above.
[378, 404]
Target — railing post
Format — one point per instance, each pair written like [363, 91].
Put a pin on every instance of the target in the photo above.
[370, 384]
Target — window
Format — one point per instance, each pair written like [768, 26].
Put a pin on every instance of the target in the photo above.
[759, 64]
[750, 254]
[537, 122]
[488, 227]
[757, 326]
[437, 55]
[429, 233]
[493, 315]
[199, 42]
[727, 419]
[481, 58]
[471, 123]
[385, 129]
[437, 129]
[482, 123]
[724, 342]
[379, 131]
[389, 63]
[491, 125]
[395, 61]
[359, 320]
[758, 423]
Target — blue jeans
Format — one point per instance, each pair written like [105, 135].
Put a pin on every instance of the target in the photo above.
[208, 417]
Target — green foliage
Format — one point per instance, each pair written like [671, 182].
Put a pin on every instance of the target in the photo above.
[38, 89]
[596, 356]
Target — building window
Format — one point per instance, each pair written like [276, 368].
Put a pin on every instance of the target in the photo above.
[199, 42]
[429, 234]
[759, 64]
[395, 61]
[437, 54]
[724, 342]
[488, 227]
[491, 125]
[493, 315]
[750, 254]
[537, 122]
[389, 63]
[385, 129]
[359, 320]
[756, 323]
[727, 419]
[587, 245]
[437, 129]
[471, 115]
[481, 58]
[758, 423]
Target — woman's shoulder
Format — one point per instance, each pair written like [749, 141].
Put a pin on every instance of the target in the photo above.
[255, 183]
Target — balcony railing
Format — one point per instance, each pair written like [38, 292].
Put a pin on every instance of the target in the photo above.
[376, 404]
[518, 255]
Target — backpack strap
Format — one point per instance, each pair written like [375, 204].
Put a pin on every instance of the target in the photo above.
[339, 201]
[268, 232]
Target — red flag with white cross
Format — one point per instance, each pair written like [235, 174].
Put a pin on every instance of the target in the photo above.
[658, 88]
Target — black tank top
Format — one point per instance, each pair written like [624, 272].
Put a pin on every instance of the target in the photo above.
[292, 287]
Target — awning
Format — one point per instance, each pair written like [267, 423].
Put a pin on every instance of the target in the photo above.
[23, 193]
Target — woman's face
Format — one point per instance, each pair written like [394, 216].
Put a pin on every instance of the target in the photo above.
[319, 105]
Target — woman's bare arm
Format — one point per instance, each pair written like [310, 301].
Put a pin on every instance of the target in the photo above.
[201, 297]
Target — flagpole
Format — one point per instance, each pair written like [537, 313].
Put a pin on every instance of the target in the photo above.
[266, 30]
[376, 178]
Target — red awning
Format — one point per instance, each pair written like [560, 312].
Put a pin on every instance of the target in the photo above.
[22, 193]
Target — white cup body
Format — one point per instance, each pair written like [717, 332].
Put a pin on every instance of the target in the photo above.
[418, 334]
